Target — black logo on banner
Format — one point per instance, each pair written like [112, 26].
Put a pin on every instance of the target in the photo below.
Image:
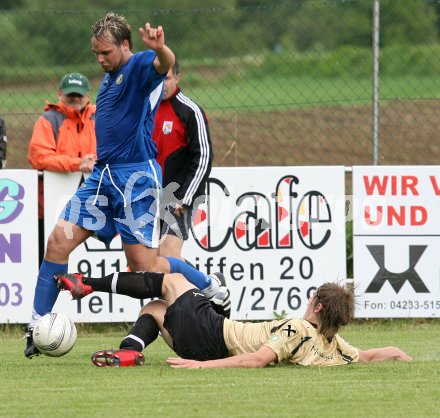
[397, 280]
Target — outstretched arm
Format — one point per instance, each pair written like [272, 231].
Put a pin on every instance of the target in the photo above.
[260, 358]
[383, 354]
[154, 38]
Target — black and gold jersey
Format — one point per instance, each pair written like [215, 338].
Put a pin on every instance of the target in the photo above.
[295, 341]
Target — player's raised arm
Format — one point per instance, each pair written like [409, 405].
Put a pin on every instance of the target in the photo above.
[383, 354]
[154, 38]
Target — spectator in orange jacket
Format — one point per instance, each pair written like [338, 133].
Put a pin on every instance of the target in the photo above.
[63, 138]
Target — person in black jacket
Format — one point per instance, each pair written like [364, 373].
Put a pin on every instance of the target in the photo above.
[184, 146]
[3, 141]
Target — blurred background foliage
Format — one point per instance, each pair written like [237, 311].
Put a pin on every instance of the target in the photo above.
[214, 28]
[283, 82]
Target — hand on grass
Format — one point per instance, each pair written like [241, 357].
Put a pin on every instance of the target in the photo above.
[181, 363]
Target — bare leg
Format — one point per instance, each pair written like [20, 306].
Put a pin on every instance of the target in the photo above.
[171, 246]
[141, 258]
[173, 286]
[157, 309]
[64, 238]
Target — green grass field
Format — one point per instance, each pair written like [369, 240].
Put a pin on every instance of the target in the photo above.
[270, 93]
[71, 386]
[303, 92]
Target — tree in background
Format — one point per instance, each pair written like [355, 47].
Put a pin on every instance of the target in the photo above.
[329, 25]
[57, 32]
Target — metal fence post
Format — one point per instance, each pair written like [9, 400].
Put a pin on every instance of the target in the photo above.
[375, 136]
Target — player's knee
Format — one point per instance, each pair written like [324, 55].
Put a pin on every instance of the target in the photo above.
[55, 245]
[63, 240]
[155, 308]
[174, 279]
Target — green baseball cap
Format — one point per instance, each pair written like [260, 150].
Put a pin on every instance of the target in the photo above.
[74, 83]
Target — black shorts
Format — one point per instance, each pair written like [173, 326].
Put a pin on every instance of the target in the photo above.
[196, 329]
[179, 227]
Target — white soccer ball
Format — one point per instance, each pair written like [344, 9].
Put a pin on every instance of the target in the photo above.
[54, 334]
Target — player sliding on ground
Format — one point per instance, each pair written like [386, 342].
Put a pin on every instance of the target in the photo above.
[204, 338]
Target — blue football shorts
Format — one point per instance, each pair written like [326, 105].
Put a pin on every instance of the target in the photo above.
[119, 199]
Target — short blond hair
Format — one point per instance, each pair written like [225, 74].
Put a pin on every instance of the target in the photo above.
[113, 27]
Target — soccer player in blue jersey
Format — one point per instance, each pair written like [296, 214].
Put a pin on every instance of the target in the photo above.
[121, 196]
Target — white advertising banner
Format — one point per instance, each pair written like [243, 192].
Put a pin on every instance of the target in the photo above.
[396, 240]
[276, 233]
[18, 244]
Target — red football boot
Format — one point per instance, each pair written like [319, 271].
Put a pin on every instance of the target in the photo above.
[74, 284]
[118, 358]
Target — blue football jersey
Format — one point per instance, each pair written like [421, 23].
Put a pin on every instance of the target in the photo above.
[125, 107]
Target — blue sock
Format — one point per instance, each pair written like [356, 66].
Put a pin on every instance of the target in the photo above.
[46, 290]
[194, 276]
